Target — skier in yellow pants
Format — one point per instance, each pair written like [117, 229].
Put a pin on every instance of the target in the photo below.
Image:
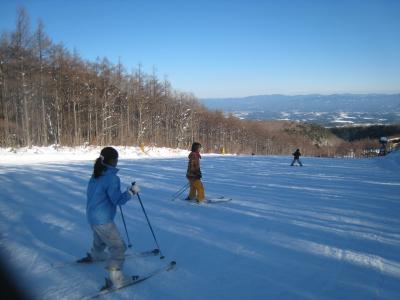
[193, 174]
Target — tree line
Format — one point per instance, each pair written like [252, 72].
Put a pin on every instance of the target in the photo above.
[355, 133]
[50, 95]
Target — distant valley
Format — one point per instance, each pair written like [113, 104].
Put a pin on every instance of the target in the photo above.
[335, 110]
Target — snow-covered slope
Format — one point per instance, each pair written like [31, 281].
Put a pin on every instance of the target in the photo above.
[65, 154]
[328, 230]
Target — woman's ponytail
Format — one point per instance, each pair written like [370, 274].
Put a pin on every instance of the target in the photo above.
[98, 168]
[106, 155]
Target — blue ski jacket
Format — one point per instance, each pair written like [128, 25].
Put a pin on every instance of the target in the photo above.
[103, 196]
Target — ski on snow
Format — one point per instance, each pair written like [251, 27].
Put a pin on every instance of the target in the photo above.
[221, 199]
[218, 200]
[137, 280]
[153, 252]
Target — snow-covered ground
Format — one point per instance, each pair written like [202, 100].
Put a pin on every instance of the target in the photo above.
[328, 230]
[66, 154]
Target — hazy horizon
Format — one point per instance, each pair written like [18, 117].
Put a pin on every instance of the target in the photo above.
[300, 95]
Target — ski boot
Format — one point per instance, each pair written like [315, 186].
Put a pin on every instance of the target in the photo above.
[117, 279]
[85, 260]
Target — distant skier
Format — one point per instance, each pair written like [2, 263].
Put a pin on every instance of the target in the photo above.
[193, 174]
[296, 157]
[103, 196]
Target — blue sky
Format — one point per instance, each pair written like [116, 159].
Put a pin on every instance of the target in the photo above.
[234, 48]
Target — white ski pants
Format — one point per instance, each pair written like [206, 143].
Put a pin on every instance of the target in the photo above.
[107, 235]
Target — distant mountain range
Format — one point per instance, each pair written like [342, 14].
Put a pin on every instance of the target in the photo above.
[328, 110]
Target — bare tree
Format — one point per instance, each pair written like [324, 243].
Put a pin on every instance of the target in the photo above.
[43, 44]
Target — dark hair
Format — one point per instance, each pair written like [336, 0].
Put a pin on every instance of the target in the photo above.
[106, 155]
[195, 146]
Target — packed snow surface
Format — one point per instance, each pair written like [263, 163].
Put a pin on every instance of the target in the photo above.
[328, 230]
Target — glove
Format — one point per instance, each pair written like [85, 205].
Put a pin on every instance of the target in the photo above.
[133, 189]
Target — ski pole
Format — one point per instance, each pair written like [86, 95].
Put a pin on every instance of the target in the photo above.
[126, 231]
[148, 222]
[180, 191]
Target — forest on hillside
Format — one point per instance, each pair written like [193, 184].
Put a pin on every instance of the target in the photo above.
[50, 95]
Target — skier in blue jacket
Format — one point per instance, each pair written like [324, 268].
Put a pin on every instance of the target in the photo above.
[103, 196]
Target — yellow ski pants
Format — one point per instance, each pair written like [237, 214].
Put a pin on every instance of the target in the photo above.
[196, 190]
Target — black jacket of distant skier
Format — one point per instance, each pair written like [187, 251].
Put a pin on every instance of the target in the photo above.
[296, 154]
